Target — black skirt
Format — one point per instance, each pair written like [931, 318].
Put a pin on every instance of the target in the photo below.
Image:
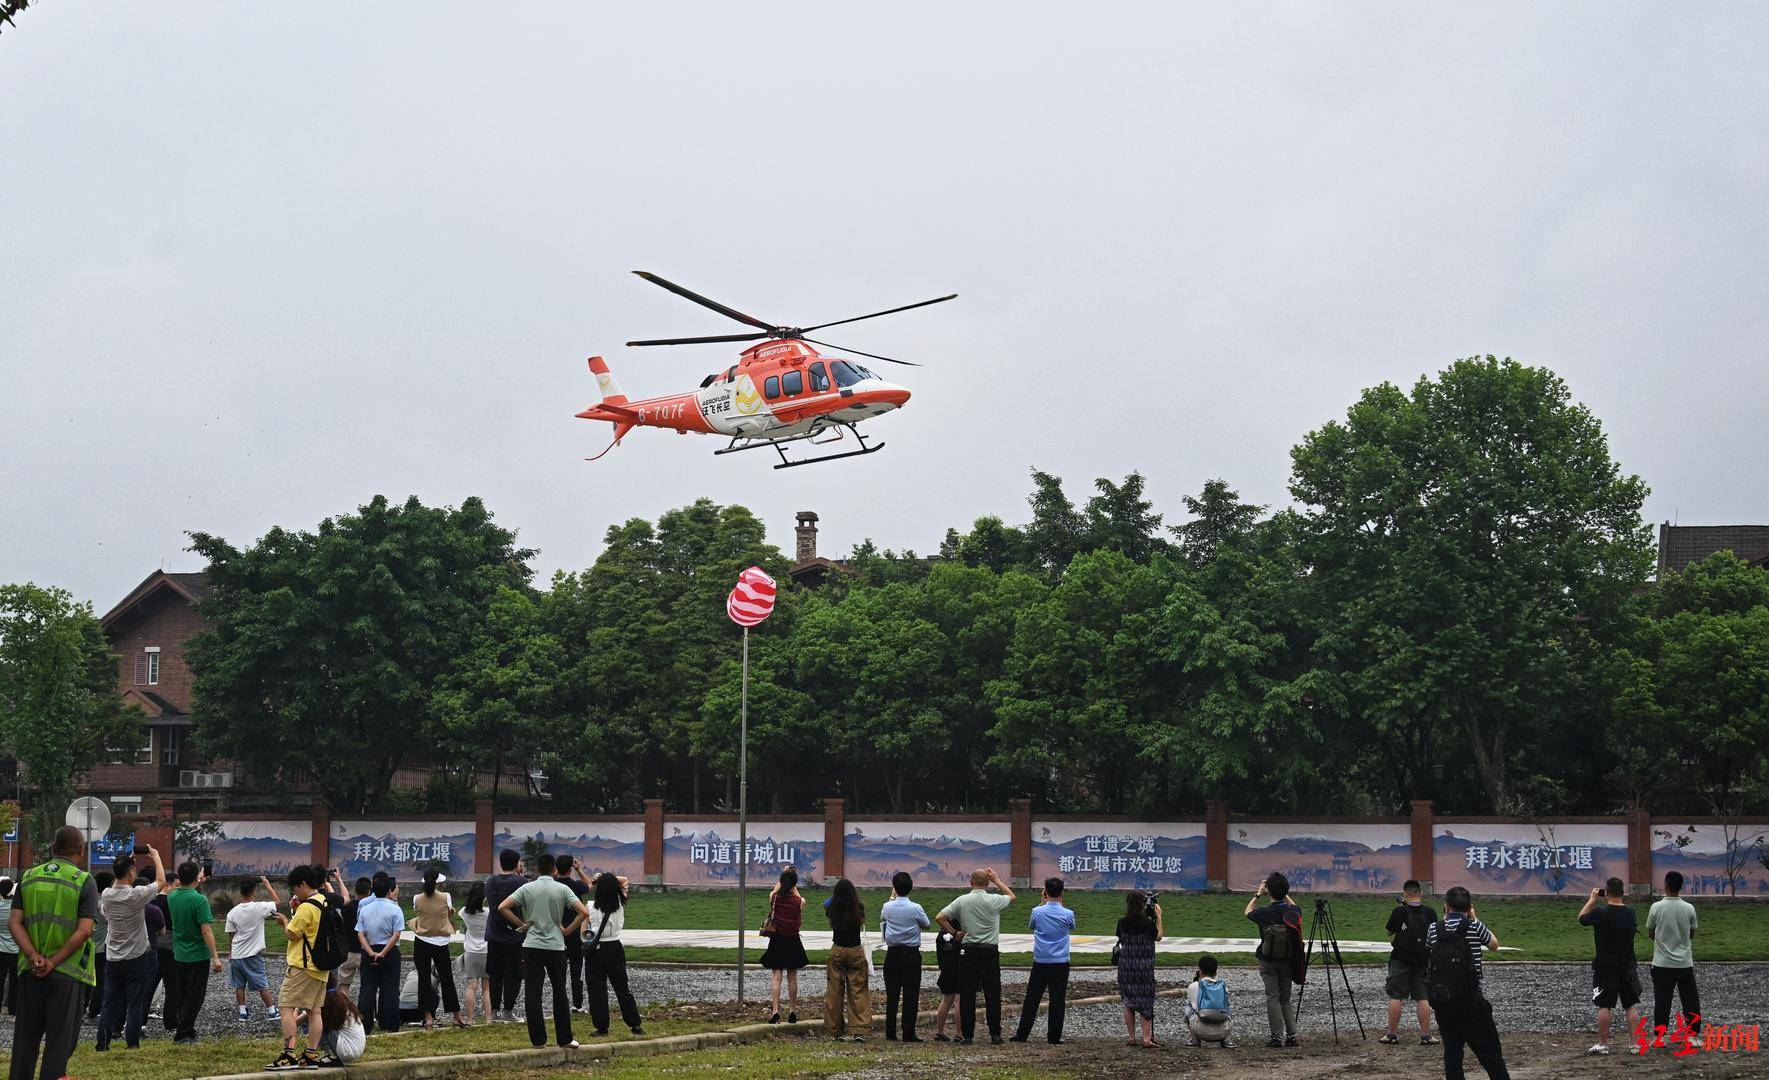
[785, 952]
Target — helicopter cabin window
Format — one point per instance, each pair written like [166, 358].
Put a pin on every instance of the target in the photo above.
[771, 388]
[793, 382]
[846, 374]
[819, 378]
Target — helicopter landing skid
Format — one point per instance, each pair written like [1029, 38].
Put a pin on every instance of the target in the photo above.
[779, 445]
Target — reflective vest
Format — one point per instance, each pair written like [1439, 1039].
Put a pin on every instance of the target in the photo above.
[50, 897]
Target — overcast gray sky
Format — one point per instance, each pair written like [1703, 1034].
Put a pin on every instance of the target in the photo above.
[262, 261]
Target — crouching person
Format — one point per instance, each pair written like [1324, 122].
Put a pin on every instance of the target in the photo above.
[1206, 1005]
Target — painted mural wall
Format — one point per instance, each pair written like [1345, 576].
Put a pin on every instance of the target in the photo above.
[402, 848]
[936, 853]
[268, 848]
[613, 846]
[1320, 858]
[1160, 855]
[1517, 860]
[707, 852]
[1699, 852]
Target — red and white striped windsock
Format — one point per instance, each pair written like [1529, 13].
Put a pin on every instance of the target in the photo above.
[753, 598]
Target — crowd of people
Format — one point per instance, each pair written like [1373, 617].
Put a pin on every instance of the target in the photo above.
[100, 944]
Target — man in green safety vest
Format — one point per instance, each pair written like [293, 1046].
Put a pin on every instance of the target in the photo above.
[52, 919]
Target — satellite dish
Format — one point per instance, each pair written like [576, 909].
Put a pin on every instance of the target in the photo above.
[91, 816]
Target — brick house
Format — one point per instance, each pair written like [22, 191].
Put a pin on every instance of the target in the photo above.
[148, 630]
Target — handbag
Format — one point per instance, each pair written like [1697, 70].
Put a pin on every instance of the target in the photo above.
[769, 926]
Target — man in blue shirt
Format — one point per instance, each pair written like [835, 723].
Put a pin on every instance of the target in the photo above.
[379, 922]
[902, 921]
[1052, 923]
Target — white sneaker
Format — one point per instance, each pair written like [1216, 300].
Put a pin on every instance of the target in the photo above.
[1600, 1048]
[242, 1014]
[273, 1013]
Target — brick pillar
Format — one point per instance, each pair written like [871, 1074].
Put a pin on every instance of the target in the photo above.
[322, 832]
[654, 841]
[1640, 854]
[1020, 837]
[1424, 823]
[835, 831]
[485, 836]
[1216, 845]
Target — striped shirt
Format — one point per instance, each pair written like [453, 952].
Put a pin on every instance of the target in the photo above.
[1478, 935]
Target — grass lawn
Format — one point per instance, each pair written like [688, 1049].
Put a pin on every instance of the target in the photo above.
[778, 1059]
[158, 1059]
[1541, 929]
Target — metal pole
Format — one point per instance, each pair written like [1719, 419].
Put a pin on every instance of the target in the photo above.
[742, 816]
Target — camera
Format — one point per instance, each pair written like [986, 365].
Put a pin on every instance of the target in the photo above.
[1149, 900]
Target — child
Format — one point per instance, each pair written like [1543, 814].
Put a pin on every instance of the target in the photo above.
[245, 964]
[1206, 1005]
[951, 979]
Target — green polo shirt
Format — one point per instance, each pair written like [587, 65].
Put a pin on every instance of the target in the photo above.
[190, 913]
[978, 913]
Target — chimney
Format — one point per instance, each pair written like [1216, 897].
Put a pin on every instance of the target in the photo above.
[807, 535]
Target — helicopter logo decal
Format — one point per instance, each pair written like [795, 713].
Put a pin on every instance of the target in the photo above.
[748, 399]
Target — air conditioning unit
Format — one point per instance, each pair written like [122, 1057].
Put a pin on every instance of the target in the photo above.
[192, 779]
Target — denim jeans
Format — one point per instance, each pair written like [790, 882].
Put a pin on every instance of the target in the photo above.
[128, 986]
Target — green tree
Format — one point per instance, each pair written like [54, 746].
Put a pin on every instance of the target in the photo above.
[500, 698]
[59, 710]
[1119, 519]
[1219, 520]
[1460, 540]
[328, 648]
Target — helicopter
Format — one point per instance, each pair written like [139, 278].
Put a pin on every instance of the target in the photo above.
[782, 390]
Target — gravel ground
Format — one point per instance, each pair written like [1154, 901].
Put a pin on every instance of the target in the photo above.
[1527, 997]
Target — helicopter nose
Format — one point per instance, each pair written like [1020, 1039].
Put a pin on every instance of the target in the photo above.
[894, 396]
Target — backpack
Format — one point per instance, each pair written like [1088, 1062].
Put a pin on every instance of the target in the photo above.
[1274, 940]
[1212, 1000]
[1449, 983]
[1410, 941]
[327, 949]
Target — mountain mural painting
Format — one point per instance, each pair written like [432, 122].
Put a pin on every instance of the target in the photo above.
[1119, 854]
[707, 852]
[615, 847]
[1371, 858]
[1521, 860]
[402, 848]
[935, 853]
[1700, 854]
[262, 848]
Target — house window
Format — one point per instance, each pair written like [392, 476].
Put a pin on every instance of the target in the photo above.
[145, 756]
[152, 653]
[125, 804]
[171, 744]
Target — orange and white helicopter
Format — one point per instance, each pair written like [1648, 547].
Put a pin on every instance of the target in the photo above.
[781, 390]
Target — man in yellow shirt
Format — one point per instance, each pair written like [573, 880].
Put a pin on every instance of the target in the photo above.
[304, 987]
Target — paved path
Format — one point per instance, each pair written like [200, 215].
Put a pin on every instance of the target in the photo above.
[1010, 943]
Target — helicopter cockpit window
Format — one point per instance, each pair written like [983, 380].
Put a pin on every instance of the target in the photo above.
[819, 378]
[731, 373]
[771, 388]
[793, 382]
[845, 373]
[708, 381]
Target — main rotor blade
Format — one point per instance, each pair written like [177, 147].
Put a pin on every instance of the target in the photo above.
[892, 311]
[700, 340]
[729, 313]
[857, 352]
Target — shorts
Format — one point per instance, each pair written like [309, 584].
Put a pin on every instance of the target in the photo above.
[247, 973]
[473, 965]
[1406, 982]
[302, 990]
[1609, 983]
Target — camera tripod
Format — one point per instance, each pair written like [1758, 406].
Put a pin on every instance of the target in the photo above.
[1323, 930]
